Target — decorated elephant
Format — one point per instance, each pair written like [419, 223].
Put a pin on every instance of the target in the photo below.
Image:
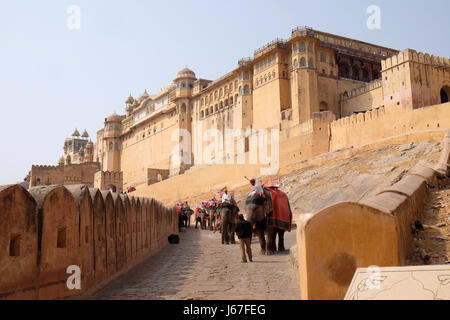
[211, 217]
[201, 218]
[187, 212]
[271, 216]
[229, 218]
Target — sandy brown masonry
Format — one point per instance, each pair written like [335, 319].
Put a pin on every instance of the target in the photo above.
[375, 231]
[46, 229]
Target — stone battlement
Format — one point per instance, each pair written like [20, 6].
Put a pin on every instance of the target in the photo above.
[359, 91]
[45, 167]
[414, 56]
[359, 118]
[49, 228]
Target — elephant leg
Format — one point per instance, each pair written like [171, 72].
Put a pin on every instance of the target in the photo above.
[281, 247]
[233, 231]
[261, 238]
[270, 240]
[224, 232]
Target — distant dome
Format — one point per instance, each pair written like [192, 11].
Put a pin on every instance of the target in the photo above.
[185, 73]
[143, 96]
[85, 134]
[114, 118]
[75, 133]
[130, 100]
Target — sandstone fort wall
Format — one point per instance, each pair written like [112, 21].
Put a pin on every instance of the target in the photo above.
[364, 128]
[47, 229]
[318, 136]
[376, 231]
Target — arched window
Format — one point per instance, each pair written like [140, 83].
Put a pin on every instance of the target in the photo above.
[216, 108]
[365, 74]
[344, 70]
[226, 102]
[375, 74]
[240, 90]
[246, 75]
[311, 63]
[246, 89]
[323, 106]
[270, 77]
[231, 86]
[296, 63]
[273, 74]
[231, 100]
[294, 48]
[211, 110]
[216, 95]
[310, 47]
[201, 103]
[322, 57]
[220, 93]
[445, 94]
[257, 82]
[221, 105]
[302, 47]
[206, 112]
[302, 62]
[355, 72]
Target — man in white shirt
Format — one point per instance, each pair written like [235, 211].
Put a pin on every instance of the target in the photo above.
[257, 188]
[226, 197]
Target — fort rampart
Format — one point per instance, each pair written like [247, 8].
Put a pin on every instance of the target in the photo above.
[45, 230]
[315, 141]
[376, 231]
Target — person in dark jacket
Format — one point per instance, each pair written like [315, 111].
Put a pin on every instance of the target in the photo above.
[244, 233]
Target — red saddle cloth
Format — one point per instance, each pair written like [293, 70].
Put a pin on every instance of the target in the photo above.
[281, 217]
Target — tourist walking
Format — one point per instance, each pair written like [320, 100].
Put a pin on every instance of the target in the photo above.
[244, 233]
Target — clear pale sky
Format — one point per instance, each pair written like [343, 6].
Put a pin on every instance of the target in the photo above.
[53, 79]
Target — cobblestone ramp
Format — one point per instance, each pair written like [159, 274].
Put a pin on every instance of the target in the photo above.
[201, 268]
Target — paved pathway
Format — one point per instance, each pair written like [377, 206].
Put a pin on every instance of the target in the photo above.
[200, 268]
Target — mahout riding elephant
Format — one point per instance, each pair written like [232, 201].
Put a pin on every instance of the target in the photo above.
[228, 213]
[259, 213]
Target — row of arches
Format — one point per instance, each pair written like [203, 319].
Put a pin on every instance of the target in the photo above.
[219, 106]
[355, 71]
[303, 63]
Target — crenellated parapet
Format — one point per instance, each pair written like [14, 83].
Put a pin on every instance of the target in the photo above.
[109, 180]
[374, 114]
[38, 251]
[410, 55]
[361, 90]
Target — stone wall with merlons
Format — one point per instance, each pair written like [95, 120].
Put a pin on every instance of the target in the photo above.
[375, 231]
[46, 229]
